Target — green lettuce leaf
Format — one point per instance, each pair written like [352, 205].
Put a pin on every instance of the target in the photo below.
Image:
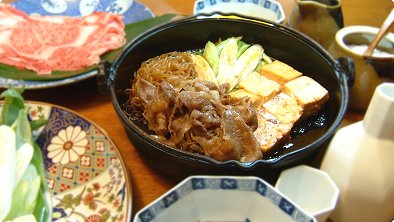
[43, 210]
[13, 102]
[30, 195]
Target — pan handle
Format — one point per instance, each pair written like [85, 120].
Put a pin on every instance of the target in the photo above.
[346, 67]
[104, 73]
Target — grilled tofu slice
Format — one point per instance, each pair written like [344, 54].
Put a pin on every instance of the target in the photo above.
[271, 132]
[279, 72]
[310, 95]
[256, 99]
[260, 85]
[284, 107]
[275, 119]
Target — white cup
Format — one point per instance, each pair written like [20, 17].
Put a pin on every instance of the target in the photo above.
[311, 189]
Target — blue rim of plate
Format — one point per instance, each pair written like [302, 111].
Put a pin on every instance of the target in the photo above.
[136, 12]
[101, 159]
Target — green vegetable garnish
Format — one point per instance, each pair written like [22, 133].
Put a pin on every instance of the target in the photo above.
[232, 60]
[227, 59]
[211, 54]
[242, 47]
[24, 189]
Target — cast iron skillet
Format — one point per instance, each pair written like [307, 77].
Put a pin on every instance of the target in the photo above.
[279, 42]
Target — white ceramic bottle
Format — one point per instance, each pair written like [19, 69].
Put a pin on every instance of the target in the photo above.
[360, 160]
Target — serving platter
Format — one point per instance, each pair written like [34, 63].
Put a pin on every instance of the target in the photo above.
[85, 173]
[134, 14]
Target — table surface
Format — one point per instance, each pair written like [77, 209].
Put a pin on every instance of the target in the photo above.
[84, 97]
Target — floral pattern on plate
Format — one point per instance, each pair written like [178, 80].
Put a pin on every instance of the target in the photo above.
[132, 11]
[85, 173]
[68, 145]
[101, 199]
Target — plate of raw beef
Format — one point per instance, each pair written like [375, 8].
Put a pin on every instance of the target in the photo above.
[50, 43]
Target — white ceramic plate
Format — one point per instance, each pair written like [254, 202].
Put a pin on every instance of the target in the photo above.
[135, 12]
[85, 172]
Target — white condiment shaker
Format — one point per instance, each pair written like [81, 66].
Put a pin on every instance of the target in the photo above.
[360, 160]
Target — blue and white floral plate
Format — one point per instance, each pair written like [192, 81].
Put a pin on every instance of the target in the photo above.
[131, 10]
[223, 198]
[85, 172]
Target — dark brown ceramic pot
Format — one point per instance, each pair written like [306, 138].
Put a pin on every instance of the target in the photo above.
[280, 43]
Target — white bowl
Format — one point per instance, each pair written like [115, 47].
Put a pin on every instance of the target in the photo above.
[222, 198]
[311, 189]
[260, 9]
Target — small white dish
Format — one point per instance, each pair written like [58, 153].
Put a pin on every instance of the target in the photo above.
[260, 9]
[312, 189]
[222, 198]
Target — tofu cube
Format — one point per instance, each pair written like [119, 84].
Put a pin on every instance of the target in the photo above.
[279, 72]
[256, 99]
[271, 132]
[310, 94]
[284, 107]
[260, 85]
